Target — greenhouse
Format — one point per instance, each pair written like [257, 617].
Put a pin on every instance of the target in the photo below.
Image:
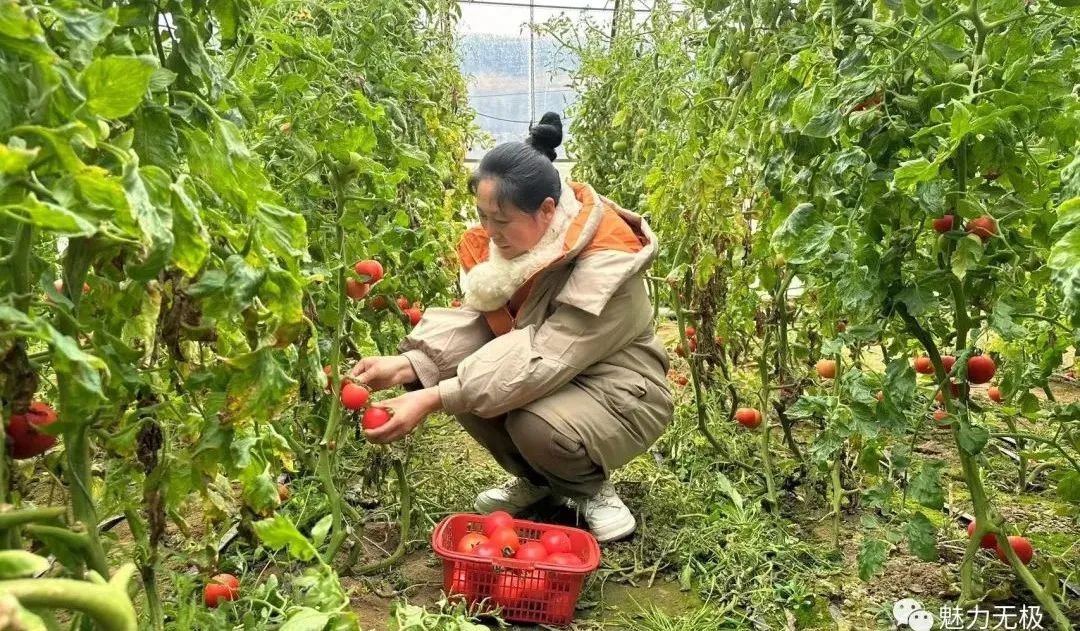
[599, 315]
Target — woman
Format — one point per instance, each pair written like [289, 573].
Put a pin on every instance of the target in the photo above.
[551, 363]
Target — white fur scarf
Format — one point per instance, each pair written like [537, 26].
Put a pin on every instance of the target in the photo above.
[489, 285]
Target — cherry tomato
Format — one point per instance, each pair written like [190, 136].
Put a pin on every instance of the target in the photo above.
[497, 520]
[370, 269]
[509, 589]
[221, 587]
[565, 559]
[506, 539]
[532, 551]
[981, 369]
[487, 550]
[555, 541]
[374, 417]
[989, 541]
[470, 541]
[354, 396]
[1022, 548]
[355, 289]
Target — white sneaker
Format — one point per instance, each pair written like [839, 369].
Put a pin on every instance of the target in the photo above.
[513, 497]
[608, 518]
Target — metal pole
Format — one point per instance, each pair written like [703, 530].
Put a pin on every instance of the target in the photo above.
[532, 65]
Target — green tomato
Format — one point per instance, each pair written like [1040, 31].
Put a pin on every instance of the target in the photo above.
[958, 71]
[748, 59]
[619, 145]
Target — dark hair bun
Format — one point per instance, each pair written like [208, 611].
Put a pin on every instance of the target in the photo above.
[546, 135]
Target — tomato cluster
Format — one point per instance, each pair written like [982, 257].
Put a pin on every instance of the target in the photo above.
[499, 539]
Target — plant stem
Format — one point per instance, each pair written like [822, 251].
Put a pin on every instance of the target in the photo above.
[330, 435]
[404, 518]
[107, 604]
[766, 456]
[13, 518]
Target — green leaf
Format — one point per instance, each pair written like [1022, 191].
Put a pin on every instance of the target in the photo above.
[257, 386]
[15, 159]
[155, 139]
[321, 529]
[20, 563]
[804, 236]
[1002, 322]
[278, 532]
[871, 557]
[261, 492]
[1068, 4]
[116, 85]
[149, 196]
[824, 124]
[1068, 487]
[192, 245]
[51, 217]
[968, 253]
[306, 619]
[973, 438]
[912, 172]
[926, 488]
[84, 369]
[922, 537]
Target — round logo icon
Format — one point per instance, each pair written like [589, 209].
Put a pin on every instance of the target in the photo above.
[921, 621]
[903, 609]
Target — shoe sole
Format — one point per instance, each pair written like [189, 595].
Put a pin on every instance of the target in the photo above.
[616, 532]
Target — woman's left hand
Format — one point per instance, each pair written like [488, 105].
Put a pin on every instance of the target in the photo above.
[406, 413]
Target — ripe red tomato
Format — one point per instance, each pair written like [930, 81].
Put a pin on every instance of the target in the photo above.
[414, 315]
[989, 541]
[470, 541]
[378, 303]
[354, 396]
[748, 417]
[27, 440]
[221, 587]
[455, 303]
[509, 589]
[565, 559]
[374, 417]
[948, 361]
[355, 289]
[533, 551]
[981, 369]
[460, 584]
[1022, 548]
[283, 492]
[994, 393]
[496, 520]
[954, 391]
[370, 269]
[555, 541]
[826, 368]
[943, 224]
[488, 550]
[506, 539]
[680, 350]
[939, 416]
[983, 227]
[923, 365]
[693, 345]
[402, 303]
[682, 380]
[691, 332]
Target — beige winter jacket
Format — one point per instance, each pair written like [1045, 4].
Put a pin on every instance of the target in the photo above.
[570, 317]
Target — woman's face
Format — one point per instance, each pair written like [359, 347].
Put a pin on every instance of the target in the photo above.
[514, 231]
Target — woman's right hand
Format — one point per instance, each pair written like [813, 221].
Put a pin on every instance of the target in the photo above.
[380, 373]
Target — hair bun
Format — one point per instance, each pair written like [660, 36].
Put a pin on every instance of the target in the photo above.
[546, 135]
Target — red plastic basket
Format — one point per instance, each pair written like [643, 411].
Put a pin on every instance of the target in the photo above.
[537, 593]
